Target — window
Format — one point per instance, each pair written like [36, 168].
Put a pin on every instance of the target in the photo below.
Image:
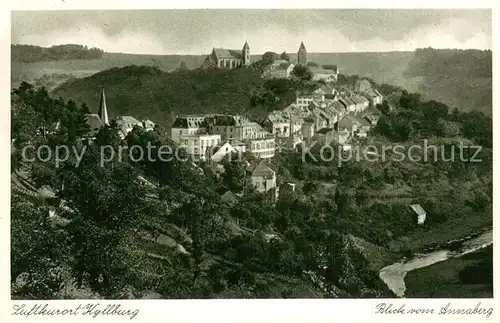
[196, 142]
[195, 150]
[185, 142]
[202, 142]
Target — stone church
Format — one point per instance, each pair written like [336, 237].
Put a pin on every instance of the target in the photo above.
[228, 58]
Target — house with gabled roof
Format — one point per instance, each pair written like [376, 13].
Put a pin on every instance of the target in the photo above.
[126, 124]
[262, 177]
[279, 69]
[420, 212]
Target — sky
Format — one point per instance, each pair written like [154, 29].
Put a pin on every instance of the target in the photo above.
[196, 32]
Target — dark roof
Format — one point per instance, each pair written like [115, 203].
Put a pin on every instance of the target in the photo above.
[189, 122]
[94, 122]
[357, 99]
[262, 170]
[227, 53]
[229, 198]
[324, 131]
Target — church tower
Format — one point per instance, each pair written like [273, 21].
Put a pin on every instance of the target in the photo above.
[103, 110]
[245, 54]
[302, 55]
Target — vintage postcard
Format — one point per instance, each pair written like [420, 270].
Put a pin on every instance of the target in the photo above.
[336, 159]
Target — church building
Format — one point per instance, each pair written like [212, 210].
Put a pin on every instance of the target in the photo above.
[228, 58]
[302, 55]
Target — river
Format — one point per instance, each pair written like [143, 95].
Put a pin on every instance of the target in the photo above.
[394, 275]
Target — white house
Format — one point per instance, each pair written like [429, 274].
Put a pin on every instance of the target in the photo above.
[421, 214]
[218, 152]
[127, 123]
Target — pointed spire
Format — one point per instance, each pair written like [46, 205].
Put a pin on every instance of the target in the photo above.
[103, 110]
[302, 46]
[246, 45]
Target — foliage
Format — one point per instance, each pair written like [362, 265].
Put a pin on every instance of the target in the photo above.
[285, 56]
[39, 251]
[29, 53]
[302, 72]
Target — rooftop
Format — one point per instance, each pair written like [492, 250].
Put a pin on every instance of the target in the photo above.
[262, 170]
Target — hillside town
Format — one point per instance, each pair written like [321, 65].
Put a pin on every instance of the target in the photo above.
[330, 115]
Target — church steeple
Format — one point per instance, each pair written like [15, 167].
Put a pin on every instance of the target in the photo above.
[245, 54]
[103, 110]
[302, 54]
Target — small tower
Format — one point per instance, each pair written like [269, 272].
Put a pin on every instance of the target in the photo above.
[103, 110]
[245, 53]
[302, 55]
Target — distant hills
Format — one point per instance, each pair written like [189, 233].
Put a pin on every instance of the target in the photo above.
[32, 54]
[458, 78]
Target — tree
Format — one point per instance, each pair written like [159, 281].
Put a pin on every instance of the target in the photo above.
[302, 72]
[269, 57]
[234, 175]
[39, 252]
[285, 56]
[384, 107]
[106, 206]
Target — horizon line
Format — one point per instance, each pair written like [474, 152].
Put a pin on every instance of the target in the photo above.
[293, 53]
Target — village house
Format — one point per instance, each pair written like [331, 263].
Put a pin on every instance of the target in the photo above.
[339, 108]
[220, 151]
[230, 199]
[279, 69]
[372, 115]
[373, 96]
[326, 92]
[187, 125]
[262, 177]
[363, 126]
[238, 145]
[148, 125]
[228, 128]
[228, 58]
[322, 74]
[360, 104]
[303, 100]
[196, 145]
[420, 212]
[348, 124]
[362, 85]
[349, 105]
[308, 128]
[282, 124]
[126, 124]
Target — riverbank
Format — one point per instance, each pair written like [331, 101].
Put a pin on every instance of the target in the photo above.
[469, 276]
[394, 275]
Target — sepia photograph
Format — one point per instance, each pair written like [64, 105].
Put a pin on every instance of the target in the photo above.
[251, 154]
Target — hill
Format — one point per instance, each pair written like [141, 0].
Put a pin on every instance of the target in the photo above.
[431, 72]
[145, 91]
[30, 53]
